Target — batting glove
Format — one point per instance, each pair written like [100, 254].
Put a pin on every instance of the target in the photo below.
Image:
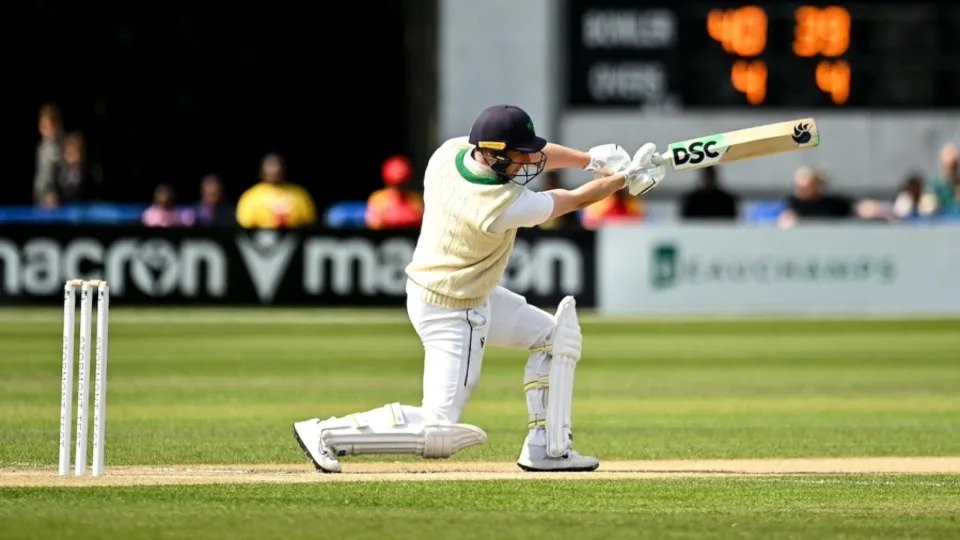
[641, 175]
[608, 159]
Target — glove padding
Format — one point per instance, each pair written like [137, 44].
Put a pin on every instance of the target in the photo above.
[608, 159]
[641, 175]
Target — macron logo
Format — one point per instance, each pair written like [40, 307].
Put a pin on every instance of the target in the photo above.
[267, 257]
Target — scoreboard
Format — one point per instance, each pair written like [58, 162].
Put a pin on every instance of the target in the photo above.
[689, 54]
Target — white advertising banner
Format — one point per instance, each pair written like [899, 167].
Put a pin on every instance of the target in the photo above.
[820, 268]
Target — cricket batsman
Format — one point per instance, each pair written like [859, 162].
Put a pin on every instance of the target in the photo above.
[475, 199]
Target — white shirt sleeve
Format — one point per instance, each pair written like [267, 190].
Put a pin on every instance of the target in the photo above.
[530, 209]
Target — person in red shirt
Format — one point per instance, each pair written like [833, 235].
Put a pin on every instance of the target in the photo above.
[395, 206]
[617, 208]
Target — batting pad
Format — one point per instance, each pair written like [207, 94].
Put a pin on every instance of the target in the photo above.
[397, 429]
[559, 401]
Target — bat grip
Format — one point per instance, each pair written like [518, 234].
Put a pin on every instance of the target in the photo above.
[659, 159]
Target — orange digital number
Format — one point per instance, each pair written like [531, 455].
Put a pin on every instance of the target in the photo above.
[741, 31]
[833, 77]
[823, 31]
[750, 78]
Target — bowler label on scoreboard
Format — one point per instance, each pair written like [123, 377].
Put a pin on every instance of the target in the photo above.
[697, 153]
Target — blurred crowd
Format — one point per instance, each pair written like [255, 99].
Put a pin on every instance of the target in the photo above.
[63, 177]
[61, 161]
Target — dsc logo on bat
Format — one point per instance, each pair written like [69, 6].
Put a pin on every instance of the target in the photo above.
[698, 152]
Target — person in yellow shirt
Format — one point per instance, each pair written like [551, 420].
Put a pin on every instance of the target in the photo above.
[275, 203]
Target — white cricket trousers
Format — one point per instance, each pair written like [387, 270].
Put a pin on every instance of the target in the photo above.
[454, 341]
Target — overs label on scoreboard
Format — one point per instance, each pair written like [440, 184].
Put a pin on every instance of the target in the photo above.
[697, 153]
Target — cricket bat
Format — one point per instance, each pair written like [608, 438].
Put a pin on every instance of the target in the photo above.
[741, 144]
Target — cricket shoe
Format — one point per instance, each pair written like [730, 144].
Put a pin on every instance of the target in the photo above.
[534, 458]
[308, 435]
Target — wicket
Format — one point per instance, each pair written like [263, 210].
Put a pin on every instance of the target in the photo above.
[83, 376]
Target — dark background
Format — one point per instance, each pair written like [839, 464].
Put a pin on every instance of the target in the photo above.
[171, 91]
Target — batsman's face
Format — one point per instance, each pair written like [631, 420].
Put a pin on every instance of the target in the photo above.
[520, 159]
[516, 166]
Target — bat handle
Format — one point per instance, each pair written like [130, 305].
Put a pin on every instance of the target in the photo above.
[658, 159]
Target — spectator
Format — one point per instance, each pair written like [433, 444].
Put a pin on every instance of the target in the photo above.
[709, 201]
[50, 126]
[274, 202]
[913, 202]
[946, 185]
[162, 212]
[566, 222]
[72, 174]
[620, 207]
[210, 211]
[809, 201]
[395, 206]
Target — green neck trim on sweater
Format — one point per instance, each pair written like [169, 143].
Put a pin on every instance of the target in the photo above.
[469, 176]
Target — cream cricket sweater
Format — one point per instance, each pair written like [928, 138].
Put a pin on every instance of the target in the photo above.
[458, 261]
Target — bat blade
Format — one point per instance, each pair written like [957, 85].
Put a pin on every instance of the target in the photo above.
[742, 144]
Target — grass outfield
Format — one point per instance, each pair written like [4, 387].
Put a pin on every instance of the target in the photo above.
[200, 386]
[194, 386]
